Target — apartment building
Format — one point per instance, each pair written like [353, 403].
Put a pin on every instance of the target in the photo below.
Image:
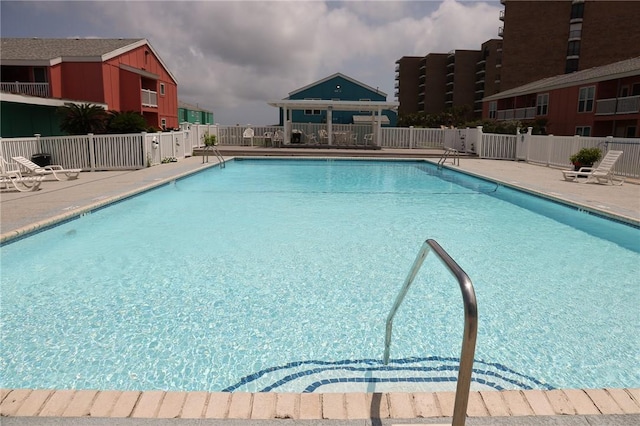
[539, 39]
[598, 101]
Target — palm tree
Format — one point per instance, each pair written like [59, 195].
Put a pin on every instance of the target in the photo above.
[126, 122]
[80, 119]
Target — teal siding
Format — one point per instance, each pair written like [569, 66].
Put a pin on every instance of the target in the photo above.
[339, 89]
[24, 120]
[193, 116]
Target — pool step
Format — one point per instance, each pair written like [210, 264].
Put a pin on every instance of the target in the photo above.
[429, 374]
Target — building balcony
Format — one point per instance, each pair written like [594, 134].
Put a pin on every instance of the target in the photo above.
[626, 105]
[149, 98]
[397, 67]
[516, 114]
[502, 15]
[500, 31]
[40, 90]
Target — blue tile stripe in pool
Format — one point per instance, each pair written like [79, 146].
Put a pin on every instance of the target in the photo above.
[312, 375]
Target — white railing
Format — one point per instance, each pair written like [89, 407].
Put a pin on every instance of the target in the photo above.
[32, 89]
[135, 151]
[626, 105]
[517, 113]
[149, 98]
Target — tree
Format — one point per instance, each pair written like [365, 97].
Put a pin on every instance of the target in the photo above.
[80, 119]
[126, 122]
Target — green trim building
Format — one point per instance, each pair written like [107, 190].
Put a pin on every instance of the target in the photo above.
[188, 113]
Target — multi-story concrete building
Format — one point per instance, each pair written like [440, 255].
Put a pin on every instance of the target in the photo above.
[547, 38]
[405, 90]
[440, 81]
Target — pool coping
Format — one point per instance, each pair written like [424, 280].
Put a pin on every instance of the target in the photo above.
[331, 406]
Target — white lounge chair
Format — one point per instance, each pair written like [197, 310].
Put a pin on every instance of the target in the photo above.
[55, 170]
[9, 175]
[601, 174]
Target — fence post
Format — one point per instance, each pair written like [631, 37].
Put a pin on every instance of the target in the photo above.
[528, 145]
[479, 141]
[146, 157]
[92, 152]
[411, 138]
[37, 136]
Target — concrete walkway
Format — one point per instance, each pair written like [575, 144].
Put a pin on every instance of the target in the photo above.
[22, 213]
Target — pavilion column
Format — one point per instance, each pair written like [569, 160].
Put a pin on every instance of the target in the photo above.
[287, 127]
[329, 125]
[379, 128]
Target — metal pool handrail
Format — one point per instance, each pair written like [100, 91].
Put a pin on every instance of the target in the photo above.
[470, 323]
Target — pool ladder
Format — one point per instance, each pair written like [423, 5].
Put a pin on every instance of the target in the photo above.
[449, 152]
[470, 323]
[216, 152]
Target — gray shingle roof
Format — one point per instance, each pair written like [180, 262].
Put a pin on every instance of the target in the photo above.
[51, 48]
[620, 69]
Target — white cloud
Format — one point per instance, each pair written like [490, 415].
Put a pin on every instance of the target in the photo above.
[234, 56]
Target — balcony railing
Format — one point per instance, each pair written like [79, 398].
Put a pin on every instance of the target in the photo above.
[517, 114]
[149, 98]
[626, 105]
[32, 89]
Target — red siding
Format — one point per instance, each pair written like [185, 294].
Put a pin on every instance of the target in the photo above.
[82, 80]
[55, 81]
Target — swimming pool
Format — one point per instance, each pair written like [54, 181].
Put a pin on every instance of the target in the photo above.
[278, 276]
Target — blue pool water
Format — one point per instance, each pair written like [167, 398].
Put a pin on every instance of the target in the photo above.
[278, 275]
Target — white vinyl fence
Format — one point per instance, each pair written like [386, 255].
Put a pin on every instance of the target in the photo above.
[135, 151]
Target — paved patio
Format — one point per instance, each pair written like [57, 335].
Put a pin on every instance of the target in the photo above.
[22, 213]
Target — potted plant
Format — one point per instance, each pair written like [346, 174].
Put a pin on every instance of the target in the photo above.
[209, 140]
[586, 157]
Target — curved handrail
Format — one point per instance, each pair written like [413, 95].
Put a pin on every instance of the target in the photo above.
[470, 323]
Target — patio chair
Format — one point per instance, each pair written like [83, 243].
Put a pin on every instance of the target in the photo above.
[248, 134]
[55, 170]
[15, 178]
[368, 139]
[324, 137]
[278, 138]
[601, 174]
[310, 138]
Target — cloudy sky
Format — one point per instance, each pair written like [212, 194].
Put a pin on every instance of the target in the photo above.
[232, 57]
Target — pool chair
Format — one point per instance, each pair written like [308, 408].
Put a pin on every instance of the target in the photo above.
[58, 172]
[601, 174]
[9, 176]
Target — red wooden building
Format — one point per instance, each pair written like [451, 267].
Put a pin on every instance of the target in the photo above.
[600, 101]
[124, 74]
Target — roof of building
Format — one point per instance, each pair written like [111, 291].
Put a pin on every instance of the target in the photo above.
[191, 107]
[626, 68]
[332, 76]
[50, 51]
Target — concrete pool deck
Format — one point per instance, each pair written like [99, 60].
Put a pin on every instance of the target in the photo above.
[22, 213]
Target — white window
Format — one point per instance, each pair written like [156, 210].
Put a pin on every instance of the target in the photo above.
[542, 104]
[575, 30]
[493, 107]
[161, 89]
[583, 131]
[585, 99]
[163, 123]
[312, 111]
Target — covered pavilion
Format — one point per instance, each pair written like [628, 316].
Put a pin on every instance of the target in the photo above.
[375, 107]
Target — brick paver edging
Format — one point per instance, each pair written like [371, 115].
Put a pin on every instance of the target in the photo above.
[339, 406]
